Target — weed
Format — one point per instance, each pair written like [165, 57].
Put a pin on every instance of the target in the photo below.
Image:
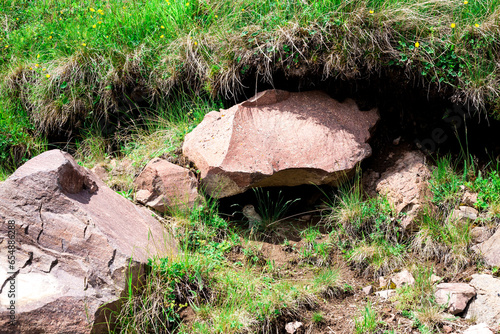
[368, 322]
[317, 317]
[269, 208]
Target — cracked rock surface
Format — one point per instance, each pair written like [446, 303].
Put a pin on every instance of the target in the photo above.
[76, 244]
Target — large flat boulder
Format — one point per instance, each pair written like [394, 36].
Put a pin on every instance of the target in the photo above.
[279, 138]
[76, 244]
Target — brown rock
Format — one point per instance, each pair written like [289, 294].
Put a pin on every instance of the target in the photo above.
[279, 138]
[406, 185]
[490, 250]
[454, 296]
[163, 185]
[77, 242]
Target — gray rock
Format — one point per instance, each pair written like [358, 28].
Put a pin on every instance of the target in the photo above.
[486, 306]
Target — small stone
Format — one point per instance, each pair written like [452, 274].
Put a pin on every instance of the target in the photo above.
[435, 279]
[386, 294]
[469, 198]
[464, 213]
[384, 282]
[292, 327]
[368, 290]
[396, 141]
[447, 329]
[402, 278]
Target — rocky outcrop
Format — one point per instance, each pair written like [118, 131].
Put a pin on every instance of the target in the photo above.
[405, 185]
[490, 249]
[279, 138]
[486, 306]
[163, 185]
[77, 244]
[454, 296]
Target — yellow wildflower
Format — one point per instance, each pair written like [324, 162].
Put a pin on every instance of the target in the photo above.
[216, 16]
[94, 26]
[417, 44]
[92, 9]
[476, 25]
[162, 36]
[453, 25]
[38, 55]
[36, 65]
[242, 9]
[83, 44]
[47, 76]
[100, 22]
[99, 10]
[187, 4]
[31, 68]
[50, 37]
[162, 27]
[466, 2]
[195, 43]
[43, 69]
[371, 11]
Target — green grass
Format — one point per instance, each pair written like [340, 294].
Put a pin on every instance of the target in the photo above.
[70, 66]
[367, 230]
[368, 322]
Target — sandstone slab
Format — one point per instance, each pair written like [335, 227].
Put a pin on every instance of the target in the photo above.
[279, 138]
[486, 306]
[163, 185]
[454, 296]
[77, 243]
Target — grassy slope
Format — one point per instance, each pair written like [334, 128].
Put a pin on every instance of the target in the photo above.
[75, 65]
